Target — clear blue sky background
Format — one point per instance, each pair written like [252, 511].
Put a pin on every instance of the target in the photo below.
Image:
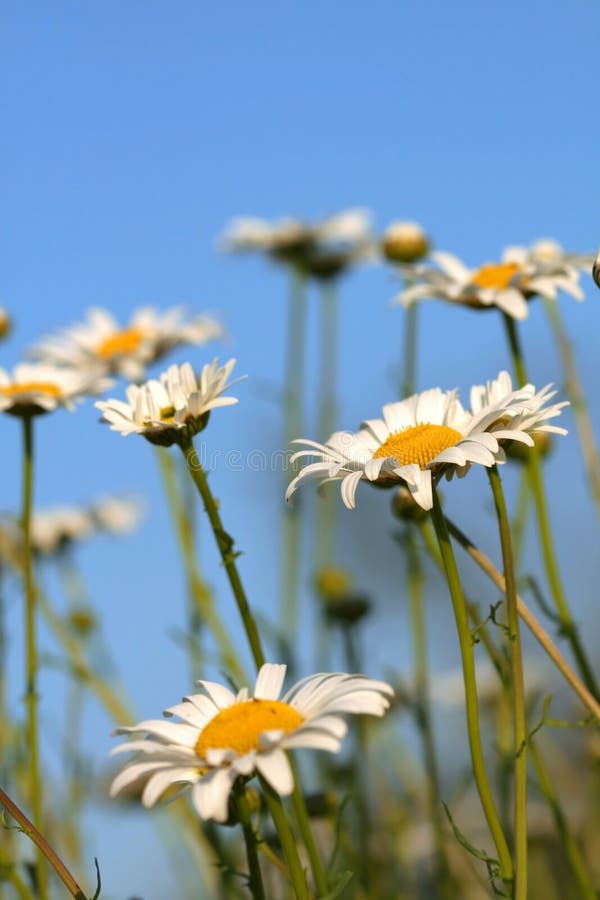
[132, 132]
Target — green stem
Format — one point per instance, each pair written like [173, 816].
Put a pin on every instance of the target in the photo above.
[572, 850]
[409, 377]
[518, 689]
[255, 882]
[327, 417]
[316, 864]
[468, 664]
[293, 429]
[31, 663]
[199, 592]
[226, 549]
[567, 624]
[43, 846]
[575, 391]
[422, 708]
[288, 842]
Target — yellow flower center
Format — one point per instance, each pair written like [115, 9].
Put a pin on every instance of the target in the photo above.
[121, 342]
[240, 726]
[31, 387]
[496, 276]
[418, 444]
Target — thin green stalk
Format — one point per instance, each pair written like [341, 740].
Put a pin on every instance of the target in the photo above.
[327, 418]
[9, 874]
[316, 863]
[255, 882]
[422, 709]
[288, 842]
[546, 786]
[409, 376]
[567, 624]
[43, 847]
[199, 591]
[293, 429]
[518, 689]
[226, 549]
[575, 391]
[467, 653]
[31, 662]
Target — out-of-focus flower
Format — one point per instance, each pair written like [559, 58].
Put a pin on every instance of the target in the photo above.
[405, 242]
[36, 388]
[521, 274]
[54, 529]
[427, 435]
[173, 408]
[223, 736]
[117, 515]
[323, 249]
[129, 349]
[5, 324]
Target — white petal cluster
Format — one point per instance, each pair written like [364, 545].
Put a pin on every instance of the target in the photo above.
[167, 756]
[117, 515]
[543, 269]
[127, 350]
[177, 403]
[33, 388]
[498, 414]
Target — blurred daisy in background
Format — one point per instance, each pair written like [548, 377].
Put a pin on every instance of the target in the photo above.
[222, 736]
[36, 388]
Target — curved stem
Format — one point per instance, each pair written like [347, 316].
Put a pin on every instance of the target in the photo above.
[518, 690]
[226, 549]
[468, 664]
[575, 391]
[288, 843]
[43, 846]
[199, 591]
[31, 664]
[255, 882]
[567, 624]
[538, 631]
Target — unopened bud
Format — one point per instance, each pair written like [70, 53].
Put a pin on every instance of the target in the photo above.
[405, 242]
[333, 583]
[5, 324]
[82, 620]
[405, 508]
[520, 452]
[348, 610]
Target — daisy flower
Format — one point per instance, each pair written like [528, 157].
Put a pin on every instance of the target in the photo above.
[53, 529]
[128, 349]
[427, 435]
[116, 515]
[223, 736]
[172, 408]
[35, 388]
[323, 248]
[520, 275]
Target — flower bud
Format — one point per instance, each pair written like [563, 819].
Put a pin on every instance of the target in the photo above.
[405, 508]
[405, 242]
[333, 583]
[5, 324]
[347, 610]
[519, 452]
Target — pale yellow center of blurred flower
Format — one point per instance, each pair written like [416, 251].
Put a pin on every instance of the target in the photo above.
[31, 387]
[495, 276]
[240, 726]
[121, 342]
[418, 444]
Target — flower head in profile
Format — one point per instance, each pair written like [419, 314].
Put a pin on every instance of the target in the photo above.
[221, 736]
[521, 274]
[323, 249]
[36, 388]
[419, 439]
[405, 242]
[173, 408]
[125, 349]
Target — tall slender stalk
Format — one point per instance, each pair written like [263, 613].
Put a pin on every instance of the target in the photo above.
[288, 843]
[199, 592]
[567, 623]
[327, 416]
[518, 690]
[574, 389]
[255, 882]
[467, 653]
[293, 429]
[410, 344]
[31, 661]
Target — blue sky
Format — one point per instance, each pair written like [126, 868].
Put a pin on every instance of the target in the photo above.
[132, 132]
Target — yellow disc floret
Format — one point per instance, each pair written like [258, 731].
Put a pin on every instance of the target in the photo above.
[121, 342]
[496, 276]
[240, 726]
[31, 387]
[418, 444]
